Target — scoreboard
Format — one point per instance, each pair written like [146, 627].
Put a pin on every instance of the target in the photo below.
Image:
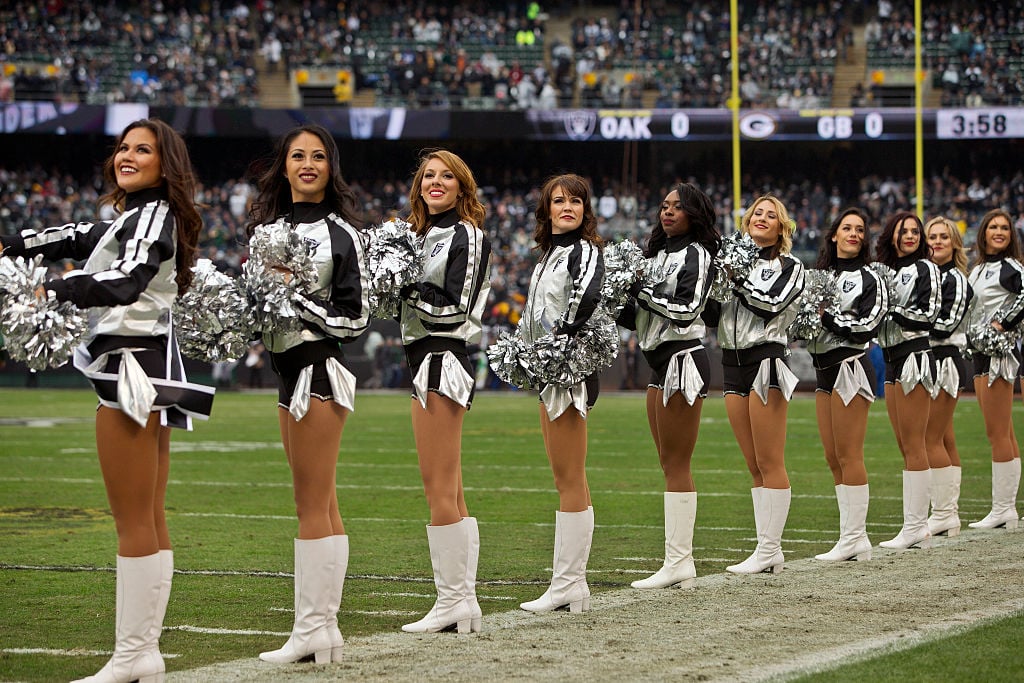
[578, 125]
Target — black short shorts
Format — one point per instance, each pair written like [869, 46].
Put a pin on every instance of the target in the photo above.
[982, 362]
[894, 367]
[288, 364]
[660, 357]
[826, 377]
[434, 371]
[740, 367]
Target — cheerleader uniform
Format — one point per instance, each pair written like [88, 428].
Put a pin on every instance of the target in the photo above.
[441, 314]
[334, 309]
[948, 336]
[130, 354]
[917, 296]
[948, 341]
[998, 290]
[997, 285]
[752, 327]
[839, 352]
[565, 289]
[667, 318]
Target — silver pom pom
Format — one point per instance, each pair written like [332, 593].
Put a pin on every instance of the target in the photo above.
[624, 264]
[279, 265]
[507, 356]
[394, 256]
[734, 259]
[566, 360]
[213, 320]
[41, 333]
[989, 341]
[561, 359]
[888, 277]
[820, 293]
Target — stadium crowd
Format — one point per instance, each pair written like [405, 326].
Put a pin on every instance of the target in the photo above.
[417, 54]
[35, 197]
[974, 51]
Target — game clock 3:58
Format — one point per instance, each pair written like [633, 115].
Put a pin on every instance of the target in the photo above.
[990, 122]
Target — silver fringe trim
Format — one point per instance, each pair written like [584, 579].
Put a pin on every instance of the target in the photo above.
[455, 383]
[947, 378]
[853, 381]
[343, 388]
[557, 399]
[916, 370]
[787, 380]
[682, 376]
[1003, 367]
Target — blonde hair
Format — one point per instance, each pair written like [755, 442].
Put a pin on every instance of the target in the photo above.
[786, 225]
[959, 253]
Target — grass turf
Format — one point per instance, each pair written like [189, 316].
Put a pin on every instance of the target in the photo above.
[231, 515]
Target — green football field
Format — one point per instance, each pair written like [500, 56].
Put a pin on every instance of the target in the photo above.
[231, 516]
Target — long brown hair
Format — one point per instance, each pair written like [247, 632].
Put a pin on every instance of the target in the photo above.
[274, 193]
[828, 253]
[887, 253]
[1012, 249]
[470, 209]
[574, 186]
[179, 179]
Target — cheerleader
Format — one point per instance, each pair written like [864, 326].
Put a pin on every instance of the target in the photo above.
[996, 278]
[667, 319]
[910, 364]
[564, 292]
[758, 384]
[134, 267]
[948, 341]
[440, 318]
[845, 376]
[303, 190]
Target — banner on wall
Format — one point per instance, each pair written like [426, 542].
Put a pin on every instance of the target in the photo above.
[575, 125]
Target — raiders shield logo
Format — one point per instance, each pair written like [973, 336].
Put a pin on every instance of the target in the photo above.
[767, 273]
[848, 286]
[579, 124]
[906, 277]
[311, 244]
[437, 249]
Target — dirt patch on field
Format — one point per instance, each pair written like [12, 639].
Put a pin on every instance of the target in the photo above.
[728, 628]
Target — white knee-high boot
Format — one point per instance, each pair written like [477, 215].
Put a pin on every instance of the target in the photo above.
[166, 578]
[841, 501]
[574, 532]
[1005, 480]
[337, 589]
[315, 580]
[771, 508]
[915, 513]
[853, 538]
[472, 561]
[449, 557]
[678, 569]
[136, 650]
[945, 494]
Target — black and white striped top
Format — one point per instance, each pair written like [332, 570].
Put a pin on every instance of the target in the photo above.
[129, 272]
